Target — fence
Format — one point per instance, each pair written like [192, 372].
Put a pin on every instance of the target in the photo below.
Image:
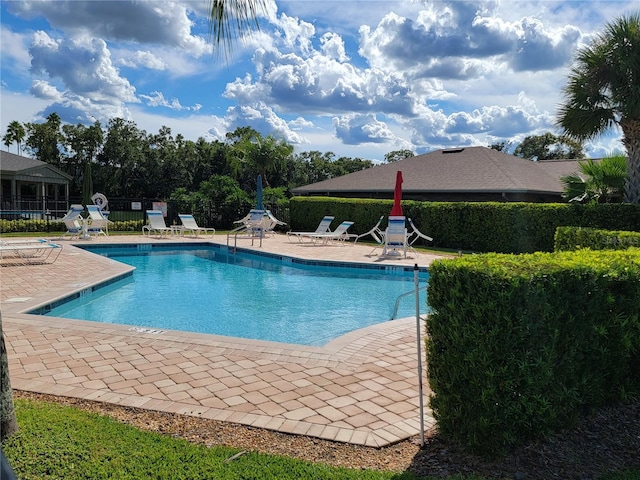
[220, 215]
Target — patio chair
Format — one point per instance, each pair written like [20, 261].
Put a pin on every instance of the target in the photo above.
[415, 235]
[339, 234]
[189, 224]
[97, 223]
[252, 226]
[156, 224]
[323, 227]
[19, 252]
[395, 238]
[272, 222]
[376, 233]
[74, 222]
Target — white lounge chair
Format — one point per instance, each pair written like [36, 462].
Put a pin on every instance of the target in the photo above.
[74, 222]
[19, 252]
[97, 223]
[376, 233]
[272, 222]
[415, 235]
[339, 234]
[395, 237]
[156, 224]
[323, 227]
[252, 226]
[189, 224]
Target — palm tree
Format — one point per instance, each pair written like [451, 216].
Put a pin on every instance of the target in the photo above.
[15, 133]
[233, 19]
[602, 92]
[601, 182]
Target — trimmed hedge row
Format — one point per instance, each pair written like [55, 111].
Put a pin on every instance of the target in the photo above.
[519, 345]
[15, 226]
[573, 238]
[472, 226]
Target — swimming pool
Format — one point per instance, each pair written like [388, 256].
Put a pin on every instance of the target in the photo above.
[204, 288]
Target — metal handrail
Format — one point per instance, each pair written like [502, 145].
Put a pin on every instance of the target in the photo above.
[400, 297]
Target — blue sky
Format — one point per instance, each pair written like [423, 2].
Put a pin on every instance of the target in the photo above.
[357, 78]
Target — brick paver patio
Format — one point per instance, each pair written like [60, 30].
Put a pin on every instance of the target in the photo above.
[361, 388]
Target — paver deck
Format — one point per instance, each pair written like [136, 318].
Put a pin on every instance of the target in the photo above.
[361, 388]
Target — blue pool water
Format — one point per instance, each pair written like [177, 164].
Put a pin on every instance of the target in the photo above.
[207, 290]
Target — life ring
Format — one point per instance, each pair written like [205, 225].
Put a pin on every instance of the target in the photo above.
[100, 200]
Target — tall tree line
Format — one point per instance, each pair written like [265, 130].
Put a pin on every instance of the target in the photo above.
[126, 161]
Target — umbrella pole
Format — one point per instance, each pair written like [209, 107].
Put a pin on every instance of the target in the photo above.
[419, 341]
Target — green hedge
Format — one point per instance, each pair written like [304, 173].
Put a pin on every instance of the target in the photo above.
[57, 227]
[519, 345]
[471, 226]
[573, 238]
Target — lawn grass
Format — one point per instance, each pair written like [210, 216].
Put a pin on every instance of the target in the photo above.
[61, 442]
[57, 441]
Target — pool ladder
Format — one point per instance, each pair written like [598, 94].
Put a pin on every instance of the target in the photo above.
[401, 296]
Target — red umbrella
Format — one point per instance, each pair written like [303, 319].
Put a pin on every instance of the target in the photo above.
[396, 211]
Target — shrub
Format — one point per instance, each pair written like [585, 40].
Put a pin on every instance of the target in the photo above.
[573, 238]
[519, 345]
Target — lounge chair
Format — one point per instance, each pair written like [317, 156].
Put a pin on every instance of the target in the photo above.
[252, 226]
[20, 252]
[339, 234]
[323, 227]
[156, 224]
[376, 233]
[395, 238]
[97, 223]
[415, 235]
[189, 224]
[74, 222]
[272, 222]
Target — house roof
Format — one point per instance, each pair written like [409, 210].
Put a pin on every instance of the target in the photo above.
[30, 169]
[462, 170]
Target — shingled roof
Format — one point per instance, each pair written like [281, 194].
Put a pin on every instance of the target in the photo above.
[30, 170]
[471, 173]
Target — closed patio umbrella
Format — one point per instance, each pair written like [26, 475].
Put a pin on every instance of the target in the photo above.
[259, 204]
[396, 211]
[87, 184]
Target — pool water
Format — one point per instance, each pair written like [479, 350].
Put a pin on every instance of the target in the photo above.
[208, 290]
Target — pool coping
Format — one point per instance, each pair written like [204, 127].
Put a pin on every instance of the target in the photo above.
[360, 388]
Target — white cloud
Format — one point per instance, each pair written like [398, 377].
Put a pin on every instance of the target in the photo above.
[144, 59]
[21, 107]
[45, 91]
[83, 64]
[299, 123]
[297, 34]
[320, 85]
[157, 99]
[333, 47]
[143, 21]
[451, 40]
[78, 109]
[356, 129]
[14, 50]
[263, 119]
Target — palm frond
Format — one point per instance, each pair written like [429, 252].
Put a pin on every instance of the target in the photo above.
[231, 20]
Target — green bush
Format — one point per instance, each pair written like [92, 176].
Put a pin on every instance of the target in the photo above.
[17, 226]
[573, 238]
[519, 345]
[471, 226]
